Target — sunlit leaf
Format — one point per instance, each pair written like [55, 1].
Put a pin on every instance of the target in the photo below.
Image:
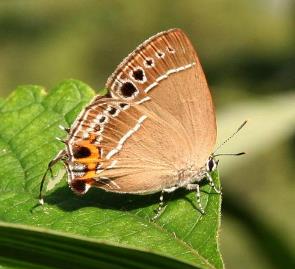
[29, 125]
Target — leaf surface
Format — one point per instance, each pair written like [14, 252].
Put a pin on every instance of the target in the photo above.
[29, 125]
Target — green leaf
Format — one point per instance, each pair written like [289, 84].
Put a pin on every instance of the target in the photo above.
[29, 125]
[22, 247]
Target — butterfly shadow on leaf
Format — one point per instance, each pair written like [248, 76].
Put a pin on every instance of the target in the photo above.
[66, 200]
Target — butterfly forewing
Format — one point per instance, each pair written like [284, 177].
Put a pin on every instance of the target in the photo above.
[151, 128]
[151, 62]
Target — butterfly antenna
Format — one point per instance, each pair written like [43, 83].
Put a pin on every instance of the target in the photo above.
[229, 154]
[229, 138]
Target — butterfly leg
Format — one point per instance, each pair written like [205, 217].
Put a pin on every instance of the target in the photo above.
[212, 184]
[161, 208]
[57, 158]
[196, 187]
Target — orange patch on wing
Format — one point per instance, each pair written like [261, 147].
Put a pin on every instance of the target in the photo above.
[86, 152]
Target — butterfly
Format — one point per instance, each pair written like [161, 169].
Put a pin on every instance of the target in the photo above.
[154, 131]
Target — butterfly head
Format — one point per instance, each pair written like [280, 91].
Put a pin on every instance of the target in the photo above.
[211, 164]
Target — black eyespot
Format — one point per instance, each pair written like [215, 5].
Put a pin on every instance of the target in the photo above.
[128, 89]
[123, 105]
[81, 152]
[170, 50]
[78, 186]
[160, 54]
[138, 74]
[96, 128]
[149, 62]
[102, 119]
[112, 111]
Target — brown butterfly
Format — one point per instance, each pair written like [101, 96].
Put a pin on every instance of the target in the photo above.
[155, 130]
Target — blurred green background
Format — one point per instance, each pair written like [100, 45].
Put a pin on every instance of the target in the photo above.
[247, 52]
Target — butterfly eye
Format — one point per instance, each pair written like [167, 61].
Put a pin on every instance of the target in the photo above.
[211, 165]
